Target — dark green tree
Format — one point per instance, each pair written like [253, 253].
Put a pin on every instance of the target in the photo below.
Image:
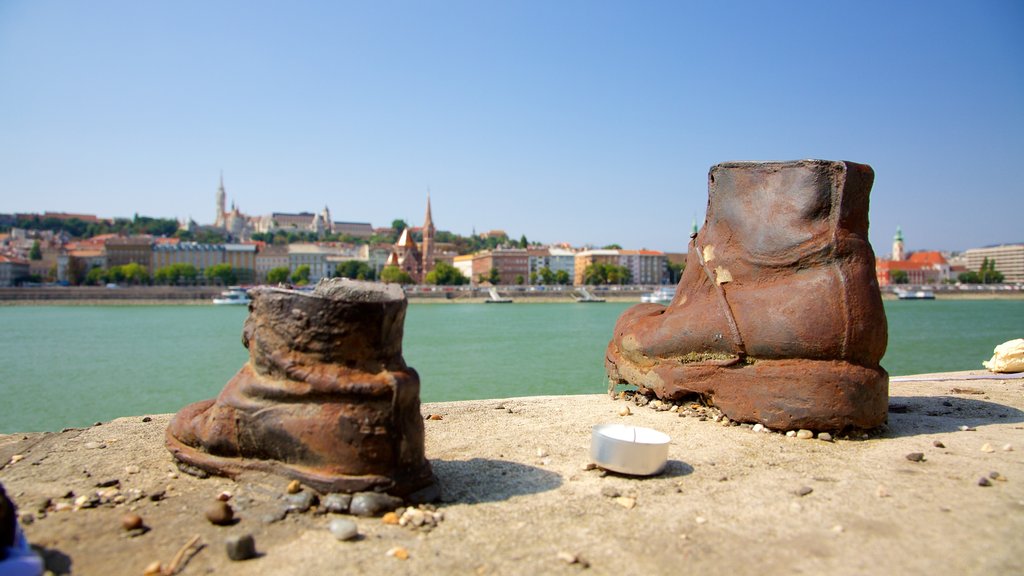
[355, 269]
[301, 275]
[899, 277]
[36, 253]
[562, 278]
[444, 274]
[278, 275]
[395, 275]
[135, 273]
[675, 272]
[223, 274]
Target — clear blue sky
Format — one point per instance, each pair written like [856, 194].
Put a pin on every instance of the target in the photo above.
[585, 122]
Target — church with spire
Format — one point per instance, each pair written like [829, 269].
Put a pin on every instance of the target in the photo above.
[416, 259]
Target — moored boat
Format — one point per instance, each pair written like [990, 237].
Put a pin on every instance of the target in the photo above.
[233, 295]
[662, 295]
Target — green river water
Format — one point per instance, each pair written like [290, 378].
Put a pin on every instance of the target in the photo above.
[67, 366]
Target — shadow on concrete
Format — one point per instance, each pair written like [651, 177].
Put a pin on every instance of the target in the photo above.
[913, 415]
[487, 480]
[673, 469]
[54, 560]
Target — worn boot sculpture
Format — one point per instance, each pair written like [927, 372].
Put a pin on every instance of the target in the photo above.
[325, 398]
[777, 318]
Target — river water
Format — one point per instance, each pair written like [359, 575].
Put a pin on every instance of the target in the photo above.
[66, 366]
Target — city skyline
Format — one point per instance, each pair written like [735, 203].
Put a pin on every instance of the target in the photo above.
[586, 123]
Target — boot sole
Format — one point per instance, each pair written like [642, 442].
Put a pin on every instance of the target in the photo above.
[323, 482]
[785, 394]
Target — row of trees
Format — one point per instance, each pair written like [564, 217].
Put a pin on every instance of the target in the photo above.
[601, 273]
[171, 275]
[77, 228]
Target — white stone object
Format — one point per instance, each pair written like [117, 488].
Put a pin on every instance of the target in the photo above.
[1008, 357]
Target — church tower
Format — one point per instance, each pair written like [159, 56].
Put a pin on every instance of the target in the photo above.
[898, 253]
[221, 220]
[428, 240]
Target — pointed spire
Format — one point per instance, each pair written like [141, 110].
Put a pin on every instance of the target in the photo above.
[694, 226]
[899, 234]
[428, 221]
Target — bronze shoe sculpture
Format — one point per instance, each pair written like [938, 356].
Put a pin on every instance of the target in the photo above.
[325, 398]
[777, 317]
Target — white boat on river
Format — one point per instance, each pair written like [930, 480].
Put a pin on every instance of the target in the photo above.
[234, 295]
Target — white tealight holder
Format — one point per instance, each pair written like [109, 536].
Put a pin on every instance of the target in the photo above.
[629, 449]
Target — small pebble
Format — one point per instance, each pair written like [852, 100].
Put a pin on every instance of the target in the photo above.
[131, 521]
[300, 502]
[758, 427]
[1007, 447]
[399, 552]
[541, 453]
[336, 503]
[132, 469]
[997, 476]
[610, 491]
[220, 513]
[624, 411]
[94, 445]
[825, 437]
[804, 491]
[275, 516]
[938, 444]
[17, 458]
[915, 456]
[791, 434]
[373, 503]
[154, 569]
[700, 520]
[390, 518]
[435, 417]
[570, 558]
[343, 529]
[986, 447]
[626, 502]
[147, 419]
[983, 481]
[804, 434]
[240, 547]
[224, 496]
[294, 486]
[882, 492]
[968, 429]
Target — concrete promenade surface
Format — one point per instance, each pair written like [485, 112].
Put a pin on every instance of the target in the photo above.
[518, 499]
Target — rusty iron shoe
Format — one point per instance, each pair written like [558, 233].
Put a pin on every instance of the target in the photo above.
[325, 398]
[777, 318]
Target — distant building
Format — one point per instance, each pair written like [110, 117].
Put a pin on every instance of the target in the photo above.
[12, 271]
[1008, 258]
[588, 257]
[269, 257]
[312, 255]
[361, 230]
[923, 267]
[645, 266]
[201, 256]
[242, 258]
[464, 264]
[417, 260]
[123, 250]
[511, 264]
[554, 259]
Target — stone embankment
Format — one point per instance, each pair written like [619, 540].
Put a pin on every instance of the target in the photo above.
[939, 489]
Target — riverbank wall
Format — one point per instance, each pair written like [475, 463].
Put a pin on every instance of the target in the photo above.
[423, 294]
[938, 490]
